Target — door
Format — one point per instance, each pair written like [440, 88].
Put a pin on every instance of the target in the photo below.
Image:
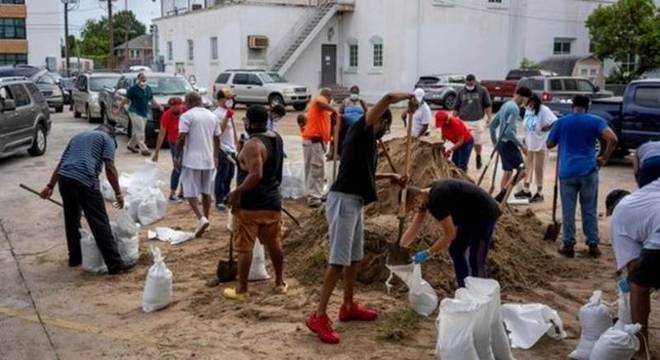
[7, 119]
[240, 84]
[257, 92]
[22, 122]
[641, 115]
[78, 91]
[328, 64]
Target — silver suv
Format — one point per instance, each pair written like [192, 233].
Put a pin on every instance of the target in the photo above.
[24, 117]
[258, 87]
[86, 94]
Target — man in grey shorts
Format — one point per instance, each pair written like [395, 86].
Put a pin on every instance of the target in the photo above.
[354, 189]
[472, 103]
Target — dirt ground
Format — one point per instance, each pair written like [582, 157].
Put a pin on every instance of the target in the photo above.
[84, 316]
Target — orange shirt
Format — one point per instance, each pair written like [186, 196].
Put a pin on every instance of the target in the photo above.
[318, 121]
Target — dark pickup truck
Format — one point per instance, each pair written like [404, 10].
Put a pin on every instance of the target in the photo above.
[635, 117]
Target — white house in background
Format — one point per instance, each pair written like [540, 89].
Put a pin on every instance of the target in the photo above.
[380, 45]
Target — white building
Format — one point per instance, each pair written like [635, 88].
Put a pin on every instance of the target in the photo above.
[380, 45]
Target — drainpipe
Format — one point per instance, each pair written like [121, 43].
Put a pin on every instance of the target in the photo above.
[419, 40]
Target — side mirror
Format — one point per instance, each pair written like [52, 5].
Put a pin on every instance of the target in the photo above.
[8, 105]
[596, 89]
[121, 92]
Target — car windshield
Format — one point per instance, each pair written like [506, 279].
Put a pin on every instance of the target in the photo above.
[100, 83]
[169, 85]
[266, 79]
[277, 78]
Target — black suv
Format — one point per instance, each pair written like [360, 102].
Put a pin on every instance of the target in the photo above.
[24, 117]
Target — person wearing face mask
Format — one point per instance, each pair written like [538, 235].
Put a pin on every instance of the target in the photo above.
[227, 156]
[139, 96]
[537, 122]
[277, 112]
[169, 126]
[351, 110]
[354, 189]
[472, 103]
[256, 202]
[421, 119]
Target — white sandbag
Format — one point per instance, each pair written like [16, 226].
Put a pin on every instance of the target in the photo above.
[146, 176]
[594, 321]
[258, 266]
[158, 287]
[92, 260]
[498, 337]
[623, 303]
[421, 296]
[169, 235]
[456, 321]
[107, 191]
[481, 333]
[132, 203]
[153, 206]
[126, 226]
[617, 343]
[527, 323]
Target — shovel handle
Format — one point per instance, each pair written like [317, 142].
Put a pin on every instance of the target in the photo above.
[387, 156]
[25, 187]
[402, 208]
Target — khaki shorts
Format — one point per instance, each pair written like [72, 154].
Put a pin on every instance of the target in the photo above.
[477, 128]
[252, 224]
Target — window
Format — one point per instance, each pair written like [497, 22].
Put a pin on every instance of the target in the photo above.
[46, 79]
[222, 78]
[377, 52]
[570, 85]
[648, 97]
[214, 48]
[585, 86]
[241, 79]
[254, 80]
[353, 55]
[584, 72]
[20, 95]
[134, 54]
[555, 85]
[12, 28]
[34, 91]
[191, 50]
[170, 51]
[11, 59]
[562, 46]
[593, 72]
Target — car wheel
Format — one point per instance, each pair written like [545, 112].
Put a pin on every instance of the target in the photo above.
[59, 109]
[39, 142]
[275, 99]
[450, 102]
[299, 107]
[129, 130]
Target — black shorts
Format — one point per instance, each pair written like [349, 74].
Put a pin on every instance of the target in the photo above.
[510, 156]
[648, 272]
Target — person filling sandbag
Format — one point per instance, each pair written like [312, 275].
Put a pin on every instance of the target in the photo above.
[467, 215]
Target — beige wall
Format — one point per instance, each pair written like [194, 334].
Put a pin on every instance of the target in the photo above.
[13, 46]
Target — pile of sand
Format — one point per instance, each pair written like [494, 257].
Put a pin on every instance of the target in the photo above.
[518, 259]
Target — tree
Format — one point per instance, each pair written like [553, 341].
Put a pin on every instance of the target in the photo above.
[629, 33]
[94, 35]
[527, 64]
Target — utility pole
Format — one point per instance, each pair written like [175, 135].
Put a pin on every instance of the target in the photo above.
[126, 37]
[66, 37]
[111, 39]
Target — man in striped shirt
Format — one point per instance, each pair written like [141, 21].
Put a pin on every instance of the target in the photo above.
[78, 177]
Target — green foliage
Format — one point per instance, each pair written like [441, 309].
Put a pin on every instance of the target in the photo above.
[94, 35]
[528, 64]
[627, 31]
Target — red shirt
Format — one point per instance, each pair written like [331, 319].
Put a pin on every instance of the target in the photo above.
[170, 122]
[453, 130]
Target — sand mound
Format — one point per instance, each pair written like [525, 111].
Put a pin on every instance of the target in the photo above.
[518, 259]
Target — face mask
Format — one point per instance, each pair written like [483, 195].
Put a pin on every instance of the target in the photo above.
[469, 88]
[229, 103]
[143, 84]
[354, 96]
[274, 118]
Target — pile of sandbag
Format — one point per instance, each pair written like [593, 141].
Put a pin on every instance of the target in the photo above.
[470, 326]
[126, 233]
[293, 180]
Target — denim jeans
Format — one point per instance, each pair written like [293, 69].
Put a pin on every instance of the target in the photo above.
[461, 157]
[223, 178]
[477, 237]
[586, 187]
[176, 173]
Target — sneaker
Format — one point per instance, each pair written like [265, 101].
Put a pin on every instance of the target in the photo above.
[123, 268]
[479, 162]
[356, 312]
[175, 199]
[133, 150]
[322, 327]
[202, 225]
[594, 251]
[536, 198]
[221, 206]
[500, 196]
[567, 251]
[145, 153]
[523, 194]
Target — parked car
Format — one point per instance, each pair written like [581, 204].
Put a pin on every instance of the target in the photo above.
[86, 94]
[635, 117]
[517, 74]
[42, 78]
[257, 87]
[24, 117]
[163, 85]
[558, 88]
[441, 89]
[500, 91]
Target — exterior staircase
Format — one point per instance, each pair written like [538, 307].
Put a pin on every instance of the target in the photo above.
[302, 34]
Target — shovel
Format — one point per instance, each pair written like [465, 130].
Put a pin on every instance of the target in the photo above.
[492, 183]
[227, 268]
[512, 184]
[552, 232]
[492, 155]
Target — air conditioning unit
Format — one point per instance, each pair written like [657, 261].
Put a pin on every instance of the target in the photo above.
[257, 42]
[197, 7]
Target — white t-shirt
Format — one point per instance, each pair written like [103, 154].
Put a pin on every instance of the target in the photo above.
[635, 224]
[420, 118]
[226, 137]
[201, 125]
[535, 138]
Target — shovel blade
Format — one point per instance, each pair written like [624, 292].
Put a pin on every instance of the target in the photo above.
[552, 232]
[396, 255]
[227, 270]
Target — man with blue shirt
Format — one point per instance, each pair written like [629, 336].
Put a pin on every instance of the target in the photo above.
[576, 134]
[78, 176]
[139, 95]
[509, 146]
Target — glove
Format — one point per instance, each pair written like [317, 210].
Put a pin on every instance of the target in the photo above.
[421, 256]
[229, 114]
[624, 286]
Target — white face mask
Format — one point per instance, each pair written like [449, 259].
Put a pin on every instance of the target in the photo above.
[229, 103]
[143, 84]
[355, 96]
[469, 88]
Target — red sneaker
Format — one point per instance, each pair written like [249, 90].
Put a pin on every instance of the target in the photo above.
[357, 312]
[322, 326]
